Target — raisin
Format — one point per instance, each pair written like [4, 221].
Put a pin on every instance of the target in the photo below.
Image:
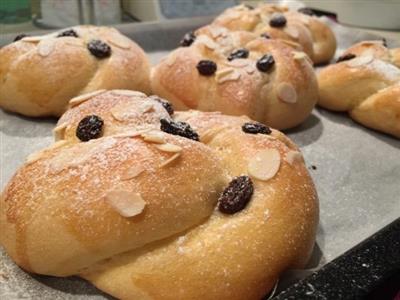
[255, 128]
[345, 57]
[384, 42]
[265, 63]
[166, 104]
[90, 127]
[187, 39]
[20, 37]
[249, 7]
[236, 195]
[277, 20]
[70, 32]
[313, 167]
[306, 11]
[179, 128]
[265, 35]
[99, 49]
[239, 53]
[206, 67]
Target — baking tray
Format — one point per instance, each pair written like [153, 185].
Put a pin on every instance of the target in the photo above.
[356, 171]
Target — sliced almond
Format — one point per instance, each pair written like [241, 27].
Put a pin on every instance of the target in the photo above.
[82, 98]
[34, 157]
[235, 75]
[45, 47]
[170, 160]
[298, 55]
[206, 41]
[154, 137]
[223, 72]
[128, 93]
[167, 147]
[293, 156]
[238, 63]
[217, 31]
[132, 172]
[132, 133]
[127, 204]
[265, 164]
[250, 69]
[211, 133]
[59, 131]
[293, 32]
[360, 61]
[292, 44]
[170, 60]
[286, 93]
[33, 39]
[119, 41]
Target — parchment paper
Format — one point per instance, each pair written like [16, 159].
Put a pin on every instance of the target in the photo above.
[357, 173]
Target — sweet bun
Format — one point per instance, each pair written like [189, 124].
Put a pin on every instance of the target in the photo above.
[38, 75]
[366, 83]
[239, 73]
[208, 207]
[315, 37]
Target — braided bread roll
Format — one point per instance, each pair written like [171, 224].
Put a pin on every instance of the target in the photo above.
[315, 37]
[366, 83]
[146, 214]
[238, 73]
[38, 75]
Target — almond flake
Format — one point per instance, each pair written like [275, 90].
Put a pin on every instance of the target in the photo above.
[217, 31]
[221, 73]
[33, 39]
[238, 63]
[154, 137]
[34, 157]
[132, 172]
[128, 93]
[293, 32]
[292, 44]
[360, 61]
[265, 164]
[132, 133]
[167, 147]
[82, 98]
[235, 75]
[210, 134]
[127, 204]
[45, 47]
[286, 93]
[250, 69]
[170, 60]
[297, 55]
[59, 131]
[293, 156]
[170, 160]
[206, 41]
[119, 41]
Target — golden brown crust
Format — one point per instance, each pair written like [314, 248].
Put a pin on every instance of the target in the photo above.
[244, 90]
[55, 218]
[316, 38]
[39, 76]
[365, 86]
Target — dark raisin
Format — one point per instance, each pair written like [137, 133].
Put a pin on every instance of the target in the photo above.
[99, 49]
[313, 167]
[20, 37]
[384, 42]
[265, 35]
[187, 39]
[90, 127]
[206, 67]
[239, 53]
[236, 195]
[306, 11]
[345, 57]
[255, 128]
[166, 104]
[70, 32]
[265, 63]
[179, 128]
[277, 20]
[249, 7]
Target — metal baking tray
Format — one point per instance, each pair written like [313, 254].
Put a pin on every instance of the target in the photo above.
[356, 171]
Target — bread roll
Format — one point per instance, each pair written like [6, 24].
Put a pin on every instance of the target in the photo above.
[208, 207]
[366, 83]
[38, 75]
